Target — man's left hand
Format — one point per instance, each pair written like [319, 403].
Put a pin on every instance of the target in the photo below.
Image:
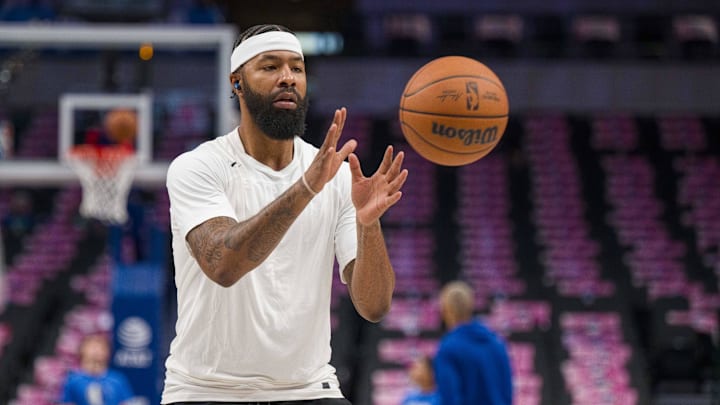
[372, 196]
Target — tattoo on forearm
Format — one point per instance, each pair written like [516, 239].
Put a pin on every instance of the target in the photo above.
[276, 223]
[251, 241]
[273, 224]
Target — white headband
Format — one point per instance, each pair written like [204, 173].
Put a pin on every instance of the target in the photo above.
[268, 41]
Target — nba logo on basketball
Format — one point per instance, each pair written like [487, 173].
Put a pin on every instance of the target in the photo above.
[472, 102]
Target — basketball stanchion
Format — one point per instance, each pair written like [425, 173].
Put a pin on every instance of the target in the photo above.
[106, 174]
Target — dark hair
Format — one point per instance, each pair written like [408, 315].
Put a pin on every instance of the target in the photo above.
[259, 29]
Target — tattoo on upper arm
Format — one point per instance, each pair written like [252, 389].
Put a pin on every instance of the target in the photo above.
[204, 241]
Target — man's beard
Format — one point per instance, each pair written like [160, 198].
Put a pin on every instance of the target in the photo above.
[276, 123]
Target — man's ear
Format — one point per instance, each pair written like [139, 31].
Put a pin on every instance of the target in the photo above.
[235, 82]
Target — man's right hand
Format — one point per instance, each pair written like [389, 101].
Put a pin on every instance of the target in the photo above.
[328, 159]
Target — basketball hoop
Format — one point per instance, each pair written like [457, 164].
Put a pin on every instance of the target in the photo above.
[106, 174]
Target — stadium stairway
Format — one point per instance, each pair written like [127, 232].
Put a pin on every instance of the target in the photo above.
[611, 253]
[527, 254]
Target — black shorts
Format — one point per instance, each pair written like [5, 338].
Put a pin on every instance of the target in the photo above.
[321, 401]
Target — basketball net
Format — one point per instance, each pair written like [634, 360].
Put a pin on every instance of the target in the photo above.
[106, 174]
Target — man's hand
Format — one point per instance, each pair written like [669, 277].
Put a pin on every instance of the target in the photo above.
[328, 160]
[372, 196]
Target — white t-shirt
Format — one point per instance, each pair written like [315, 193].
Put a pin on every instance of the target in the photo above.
[267, 337]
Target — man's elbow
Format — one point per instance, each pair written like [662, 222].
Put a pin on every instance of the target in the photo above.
[224, 277]
[223, 281]
[374, 317]
[375, 313]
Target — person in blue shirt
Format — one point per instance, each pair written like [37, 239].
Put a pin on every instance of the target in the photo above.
[94, 383]
[421, 375]
[472, 365]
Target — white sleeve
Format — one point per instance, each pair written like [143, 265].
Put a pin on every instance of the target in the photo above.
[346, 231]
[196, 194]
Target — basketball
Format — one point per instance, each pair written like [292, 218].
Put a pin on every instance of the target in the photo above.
[453, 111]
[121, 125]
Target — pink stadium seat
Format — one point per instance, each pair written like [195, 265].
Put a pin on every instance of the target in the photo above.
[615, 132]
[681, 133]
[390, 377]
[413, 315]
[568, 253]
[402, 351]
[388, 396]
[34, 395]
[595, 372]
[50, 372]
[698, 192]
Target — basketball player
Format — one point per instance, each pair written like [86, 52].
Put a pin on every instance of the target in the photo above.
[472, 365]
[258, 217]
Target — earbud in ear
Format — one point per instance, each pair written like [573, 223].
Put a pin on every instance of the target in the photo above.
[237, 85]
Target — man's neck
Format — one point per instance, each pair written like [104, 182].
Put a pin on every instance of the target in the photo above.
[276, 154]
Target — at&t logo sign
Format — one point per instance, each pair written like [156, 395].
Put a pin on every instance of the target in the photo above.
[134, 336]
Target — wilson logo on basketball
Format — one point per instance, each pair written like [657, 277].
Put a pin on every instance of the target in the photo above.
[469, 136]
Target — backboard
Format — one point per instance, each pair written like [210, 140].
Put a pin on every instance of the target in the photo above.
[55, 78]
